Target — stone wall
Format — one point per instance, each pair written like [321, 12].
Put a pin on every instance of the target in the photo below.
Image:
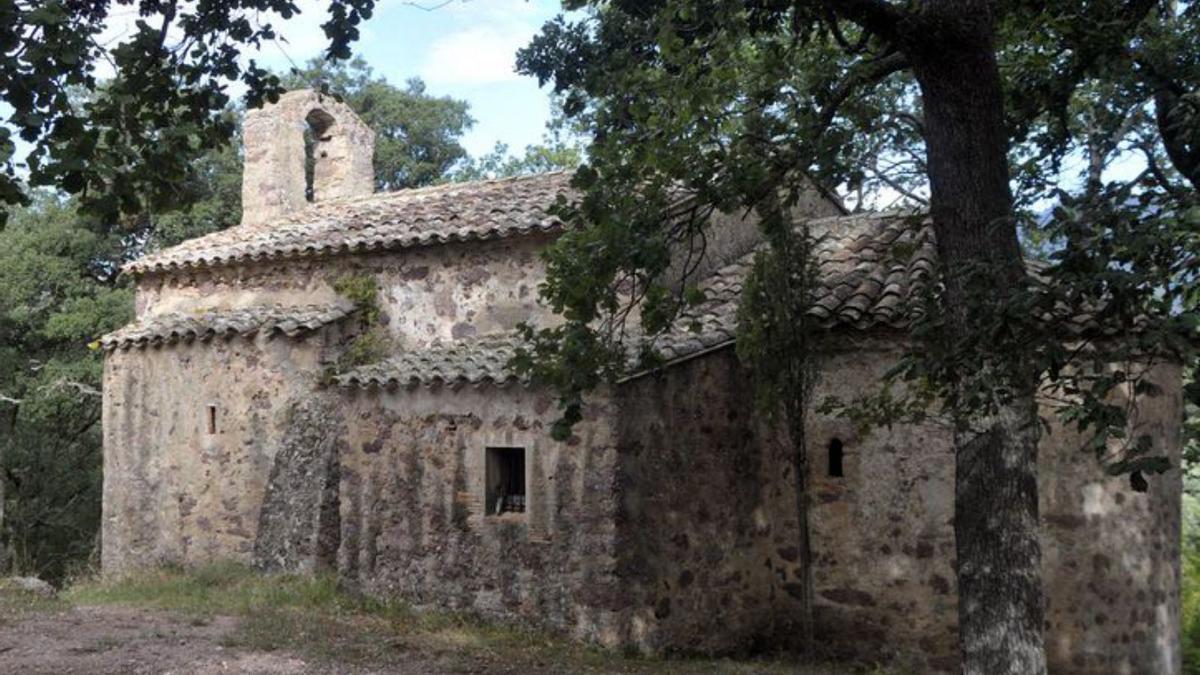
[435, 293]
[1111, 566]
[708, 528]
[707, 531]
[173, 492]
[412, 514]
[299, 522]
[883, 536]
[729, 236]
[707, 525]
[884, 541]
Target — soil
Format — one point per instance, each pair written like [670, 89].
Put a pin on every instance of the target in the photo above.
[131, 641]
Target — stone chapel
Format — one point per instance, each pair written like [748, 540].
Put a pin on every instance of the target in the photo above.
[234, 431]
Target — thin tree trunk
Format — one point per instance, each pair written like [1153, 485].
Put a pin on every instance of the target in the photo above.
[3, 548]
[996, 505]
[8, 423]
[800, 464]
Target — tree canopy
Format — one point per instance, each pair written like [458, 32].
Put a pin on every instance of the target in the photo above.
[57, 293]
[669, 88]
[155, 99]
[562, 148]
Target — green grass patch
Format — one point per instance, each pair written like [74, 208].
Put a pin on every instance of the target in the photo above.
[1190, 592]
[225, 588]
[17, 605]
[312, 617]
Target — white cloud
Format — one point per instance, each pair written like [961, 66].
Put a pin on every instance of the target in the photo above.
[301, 36]
[476, 55]
[492, 10]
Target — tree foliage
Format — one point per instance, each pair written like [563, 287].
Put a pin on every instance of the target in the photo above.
[156, 94]
[774, 326]
[671, 89]
[57, 293]
[561, 149]
[502, 163]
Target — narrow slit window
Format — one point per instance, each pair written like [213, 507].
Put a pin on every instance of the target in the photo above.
[836, 456]
[505, 481]
[211, 417]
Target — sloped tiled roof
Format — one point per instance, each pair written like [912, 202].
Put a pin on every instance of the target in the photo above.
[871, 266]
[454, 212]
[225, 323]
[475, 361]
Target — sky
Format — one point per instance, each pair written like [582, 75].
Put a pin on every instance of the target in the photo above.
[465, 49]
[461, 48]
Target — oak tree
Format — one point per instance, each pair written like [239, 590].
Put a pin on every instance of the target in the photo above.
[974, 110]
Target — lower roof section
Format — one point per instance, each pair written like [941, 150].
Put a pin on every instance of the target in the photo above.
[476, 361]
[204, 325]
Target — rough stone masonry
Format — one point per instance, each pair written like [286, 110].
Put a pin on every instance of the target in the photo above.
[237, 427]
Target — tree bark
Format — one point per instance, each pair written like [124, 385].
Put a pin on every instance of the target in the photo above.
[1171, 116]
[996, 529]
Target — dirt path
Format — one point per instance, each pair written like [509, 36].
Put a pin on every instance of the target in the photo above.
[130, 641]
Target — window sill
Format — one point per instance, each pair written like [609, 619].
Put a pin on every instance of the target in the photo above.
[506, 518]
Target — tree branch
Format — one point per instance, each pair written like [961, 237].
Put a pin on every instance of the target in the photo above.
[1111, 38]
[428, 8]
[1171, 119]
[865, 73]
[876, 16]
[80, 387]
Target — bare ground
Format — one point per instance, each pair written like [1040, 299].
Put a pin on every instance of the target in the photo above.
[230, 619]
[112, 640]
[134, 641]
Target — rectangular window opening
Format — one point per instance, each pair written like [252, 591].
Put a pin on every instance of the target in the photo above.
[837, 456]
[505, 481]
[212, 419]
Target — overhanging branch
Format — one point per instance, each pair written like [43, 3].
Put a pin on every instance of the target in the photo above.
[866, 73]
[876, 16]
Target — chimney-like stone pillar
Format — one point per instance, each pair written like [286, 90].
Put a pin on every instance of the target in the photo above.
[273, 178]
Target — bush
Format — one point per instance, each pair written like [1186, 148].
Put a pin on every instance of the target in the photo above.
[1190, 593]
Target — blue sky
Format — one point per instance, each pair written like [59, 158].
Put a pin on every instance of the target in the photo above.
[464, 49]
[461, 48]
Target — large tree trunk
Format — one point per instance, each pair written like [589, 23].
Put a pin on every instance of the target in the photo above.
[996, 503]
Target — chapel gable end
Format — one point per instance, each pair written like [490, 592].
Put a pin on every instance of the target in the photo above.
[306, 147]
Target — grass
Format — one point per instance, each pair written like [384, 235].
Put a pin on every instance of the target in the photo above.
[1190, 591]
[311, 617]
[17, 604]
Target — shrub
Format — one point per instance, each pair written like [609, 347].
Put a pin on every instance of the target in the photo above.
[1190, 592]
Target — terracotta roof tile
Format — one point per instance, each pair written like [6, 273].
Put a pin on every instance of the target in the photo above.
[385, 221]
[225, 323]
[871, 266]
[856, 293]
[476, 361]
